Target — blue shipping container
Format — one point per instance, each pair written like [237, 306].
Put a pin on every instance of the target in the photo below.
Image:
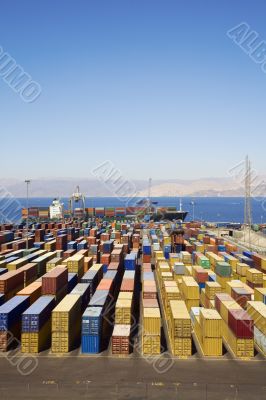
[72, 281]
[92, 321]
[90, 344]
[38, 314]
[10, 312]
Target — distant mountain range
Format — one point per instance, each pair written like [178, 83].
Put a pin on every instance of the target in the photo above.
[64, 187]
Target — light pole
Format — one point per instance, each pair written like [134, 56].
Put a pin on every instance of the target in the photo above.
[261, 219]
[193, 210]
[27, 181]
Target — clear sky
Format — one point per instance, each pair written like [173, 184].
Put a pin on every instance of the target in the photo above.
[156, 86]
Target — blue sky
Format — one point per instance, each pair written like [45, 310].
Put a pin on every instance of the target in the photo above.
[157, 87]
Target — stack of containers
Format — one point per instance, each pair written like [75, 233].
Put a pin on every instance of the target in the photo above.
[240, 292]
[72, 245]
[93, 277]
[103, 300]
[50, 245]
[83, 290]
[180, 329]
[237, 327]
[223, 272]
[149, 290]
[179, 269]
[208, 329]
[30, 273]
[200, 275]
[11, 282]
[170, 292]
[260, 295]
[190, 291]
[207, 295]
[257, 311]
[130, 262]
[121, 340]
[91, 330]
[55, 283]
[61, 242]
[72, 281]
[33, 290]
[254, 278]
[36, 325]
[10, 321]
[123, 308]
[151, 332]
[53, 263]
[76, 264]
[241, 271]
[146, 251]
[66, 324]
[42, 260]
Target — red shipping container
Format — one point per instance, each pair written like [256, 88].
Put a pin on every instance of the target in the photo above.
[113, 266]
[241, 324]
[30, 272]
[54, 280]
[146, 267]
[146, 258]
[88, 261]
[201, 276]
[254, 285]
[11, 280]
[150, 303]
[127, 285]
[241, 296]
[105, 259]
[221, 297]
[106, 284]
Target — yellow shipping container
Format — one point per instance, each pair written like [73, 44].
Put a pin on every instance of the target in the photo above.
[222, 281]
[182, 347]
[259, 294]
[35, 342]
[190, 288]
[212, 347]
[50, 246]
[254, 276]
[180, 322]
[151, 321]
[151, 344]
[227, 305]
[257, 311]
[232, 284]
[76, 264]
[53, 263]
[123, 314]
[125, 296]
[158, 254]
[16, 264]
[242, 348]
[67, 313]
[211, 323]
[211, 288]
[242, 269]
[192, 303]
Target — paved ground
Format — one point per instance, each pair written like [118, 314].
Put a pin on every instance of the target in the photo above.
[105, 378]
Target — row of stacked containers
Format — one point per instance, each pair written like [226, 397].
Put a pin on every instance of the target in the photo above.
[82, 284]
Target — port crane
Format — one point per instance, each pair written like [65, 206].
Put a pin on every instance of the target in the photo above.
[77, 198]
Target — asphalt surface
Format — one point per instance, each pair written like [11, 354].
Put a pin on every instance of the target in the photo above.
[103, 378]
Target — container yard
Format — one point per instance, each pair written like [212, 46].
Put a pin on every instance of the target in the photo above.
[125, 291]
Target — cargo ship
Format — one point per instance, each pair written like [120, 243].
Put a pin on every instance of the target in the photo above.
[145, 208]
[57, 212]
